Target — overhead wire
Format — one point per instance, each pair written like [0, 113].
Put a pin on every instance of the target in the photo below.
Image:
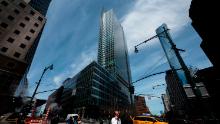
[154, 67]
[151, 68]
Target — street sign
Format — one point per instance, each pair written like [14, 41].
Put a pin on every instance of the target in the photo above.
[34, 121]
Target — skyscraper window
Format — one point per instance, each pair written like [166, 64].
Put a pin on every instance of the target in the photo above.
[22, 5]
[17, 55]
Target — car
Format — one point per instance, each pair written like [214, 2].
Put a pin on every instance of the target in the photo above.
[147, 120]
[74, 116]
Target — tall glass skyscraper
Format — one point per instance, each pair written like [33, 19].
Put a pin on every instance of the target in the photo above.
[101, 88]
[112, 52]
[170, 54]
[175, 62]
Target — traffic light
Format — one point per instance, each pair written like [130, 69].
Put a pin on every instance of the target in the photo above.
[135, 49]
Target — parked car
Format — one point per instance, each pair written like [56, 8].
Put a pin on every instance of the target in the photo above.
[147, 120]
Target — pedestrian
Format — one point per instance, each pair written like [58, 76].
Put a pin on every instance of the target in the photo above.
[75, 119]
[116, 119]
[100, 121]
[21, 118]
[70, 120]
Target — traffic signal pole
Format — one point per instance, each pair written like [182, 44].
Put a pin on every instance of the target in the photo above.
[38, 83]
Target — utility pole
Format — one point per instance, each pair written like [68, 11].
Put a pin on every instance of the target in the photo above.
[177, 54]
[193, 99]
[38, 83]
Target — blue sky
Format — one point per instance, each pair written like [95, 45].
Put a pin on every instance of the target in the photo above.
[70, 41]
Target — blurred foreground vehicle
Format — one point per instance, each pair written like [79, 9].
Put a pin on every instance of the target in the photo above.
[147, 120]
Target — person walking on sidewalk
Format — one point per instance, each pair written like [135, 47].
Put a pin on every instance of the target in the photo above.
[116, 119]
[70, 120]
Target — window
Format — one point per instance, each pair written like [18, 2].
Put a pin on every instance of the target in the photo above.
[40, 18]
[4, 25]
[27, 38]
[27, 18]
[22, 5]
[16, 11]
[10, 17]
[4, 49]
[32, 12]
[32, 31]
[150, 119]
[22, 45]
[17, 54]
[36, 25]
[11, 40]
[4, 3]
[17, 32]
[22, 24]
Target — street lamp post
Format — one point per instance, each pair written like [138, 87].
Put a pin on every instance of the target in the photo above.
[38, 83]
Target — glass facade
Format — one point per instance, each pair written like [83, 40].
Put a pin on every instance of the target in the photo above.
[67, 98]
[178, 80]
[169, 52]
[112, 52]
[69, 85]
[95, 90]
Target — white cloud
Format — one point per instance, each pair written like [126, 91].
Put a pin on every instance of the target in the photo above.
[77, 65]
[84, 60]
[57, 79]
[147, 15]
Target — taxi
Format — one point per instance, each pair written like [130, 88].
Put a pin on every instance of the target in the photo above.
[147, 120]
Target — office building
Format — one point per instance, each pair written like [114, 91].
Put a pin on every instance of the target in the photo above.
[112, 51]
[40, 5]
[176, 93]
[210, 78]
[101, 88]
[20, 25]
[95, 92]
[175, 61]
[140, 106]
[68, 95]
[202, 14]
[180, 104]
[51, 99]
[166, 102]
